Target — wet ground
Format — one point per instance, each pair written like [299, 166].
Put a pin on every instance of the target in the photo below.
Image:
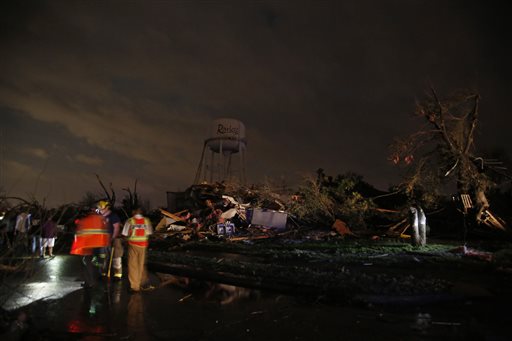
[180, 309]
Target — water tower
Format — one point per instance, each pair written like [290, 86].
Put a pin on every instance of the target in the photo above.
[223, 155]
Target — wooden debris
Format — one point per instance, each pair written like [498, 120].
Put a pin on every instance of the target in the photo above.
[184, 298]
[8, 268]
[384, 210]
[236, 239]
[492, 221]
[174, 216]
[398, 228]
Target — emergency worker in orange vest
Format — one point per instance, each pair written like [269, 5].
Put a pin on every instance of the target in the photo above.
[91, 234]
[136, 230]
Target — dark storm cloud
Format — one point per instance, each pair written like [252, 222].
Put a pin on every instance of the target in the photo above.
[317, 84]
[45, 160]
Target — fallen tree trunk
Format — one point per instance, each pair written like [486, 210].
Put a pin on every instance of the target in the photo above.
[246, 281]
[340, 277]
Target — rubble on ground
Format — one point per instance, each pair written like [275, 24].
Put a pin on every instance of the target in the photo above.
[216, 212]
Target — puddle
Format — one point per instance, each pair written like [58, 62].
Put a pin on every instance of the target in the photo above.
[183, 308]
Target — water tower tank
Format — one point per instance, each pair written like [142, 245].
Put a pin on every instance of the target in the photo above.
[227, 136]
[223, 155]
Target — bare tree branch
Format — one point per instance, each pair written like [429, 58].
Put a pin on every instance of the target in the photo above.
[469, 140]
[111, 197]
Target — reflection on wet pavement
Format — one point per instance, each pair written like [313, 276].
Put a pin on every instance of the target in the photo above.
[187, 309]
[50, 280]
[228, 293]
[91, 315]
[135, 319]
[208, 291]
[31, 292]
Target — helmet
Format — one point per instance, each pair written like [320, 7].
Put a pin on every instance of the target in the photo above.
[102, 204]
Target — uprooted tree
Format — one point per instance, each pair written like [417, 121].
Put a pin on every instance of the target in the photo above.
[322, 200]
[443, 151]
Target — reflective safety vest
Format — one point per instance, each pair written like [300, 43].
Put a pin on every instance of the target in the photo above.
[137, 235]
[91, 232]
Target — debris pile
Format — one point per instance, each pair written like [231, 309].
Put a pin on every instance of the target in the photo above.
[324, 209]
[210, 211]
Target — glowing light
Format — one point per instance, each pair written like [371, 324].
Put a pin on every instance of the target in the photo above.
[79, 326]
[31, 292]
[55, 267]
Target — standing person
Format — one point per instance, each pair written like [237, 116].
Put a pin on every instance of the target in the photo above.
[114, 227]
[21, 230]
[10, 223]
[91, 234]
[136, 230]
[35, 233]
[48, 235]
[4, 229]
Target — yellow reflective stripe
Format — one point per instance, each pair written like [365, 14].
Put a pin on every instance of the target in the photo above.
[79, 232]
[137, 239]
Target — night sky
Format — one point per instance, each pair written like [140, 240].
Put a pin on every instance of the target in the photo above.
[129, 89]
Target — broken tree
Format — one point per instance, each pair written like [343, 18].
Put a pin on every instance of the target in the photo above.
[444, 149]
